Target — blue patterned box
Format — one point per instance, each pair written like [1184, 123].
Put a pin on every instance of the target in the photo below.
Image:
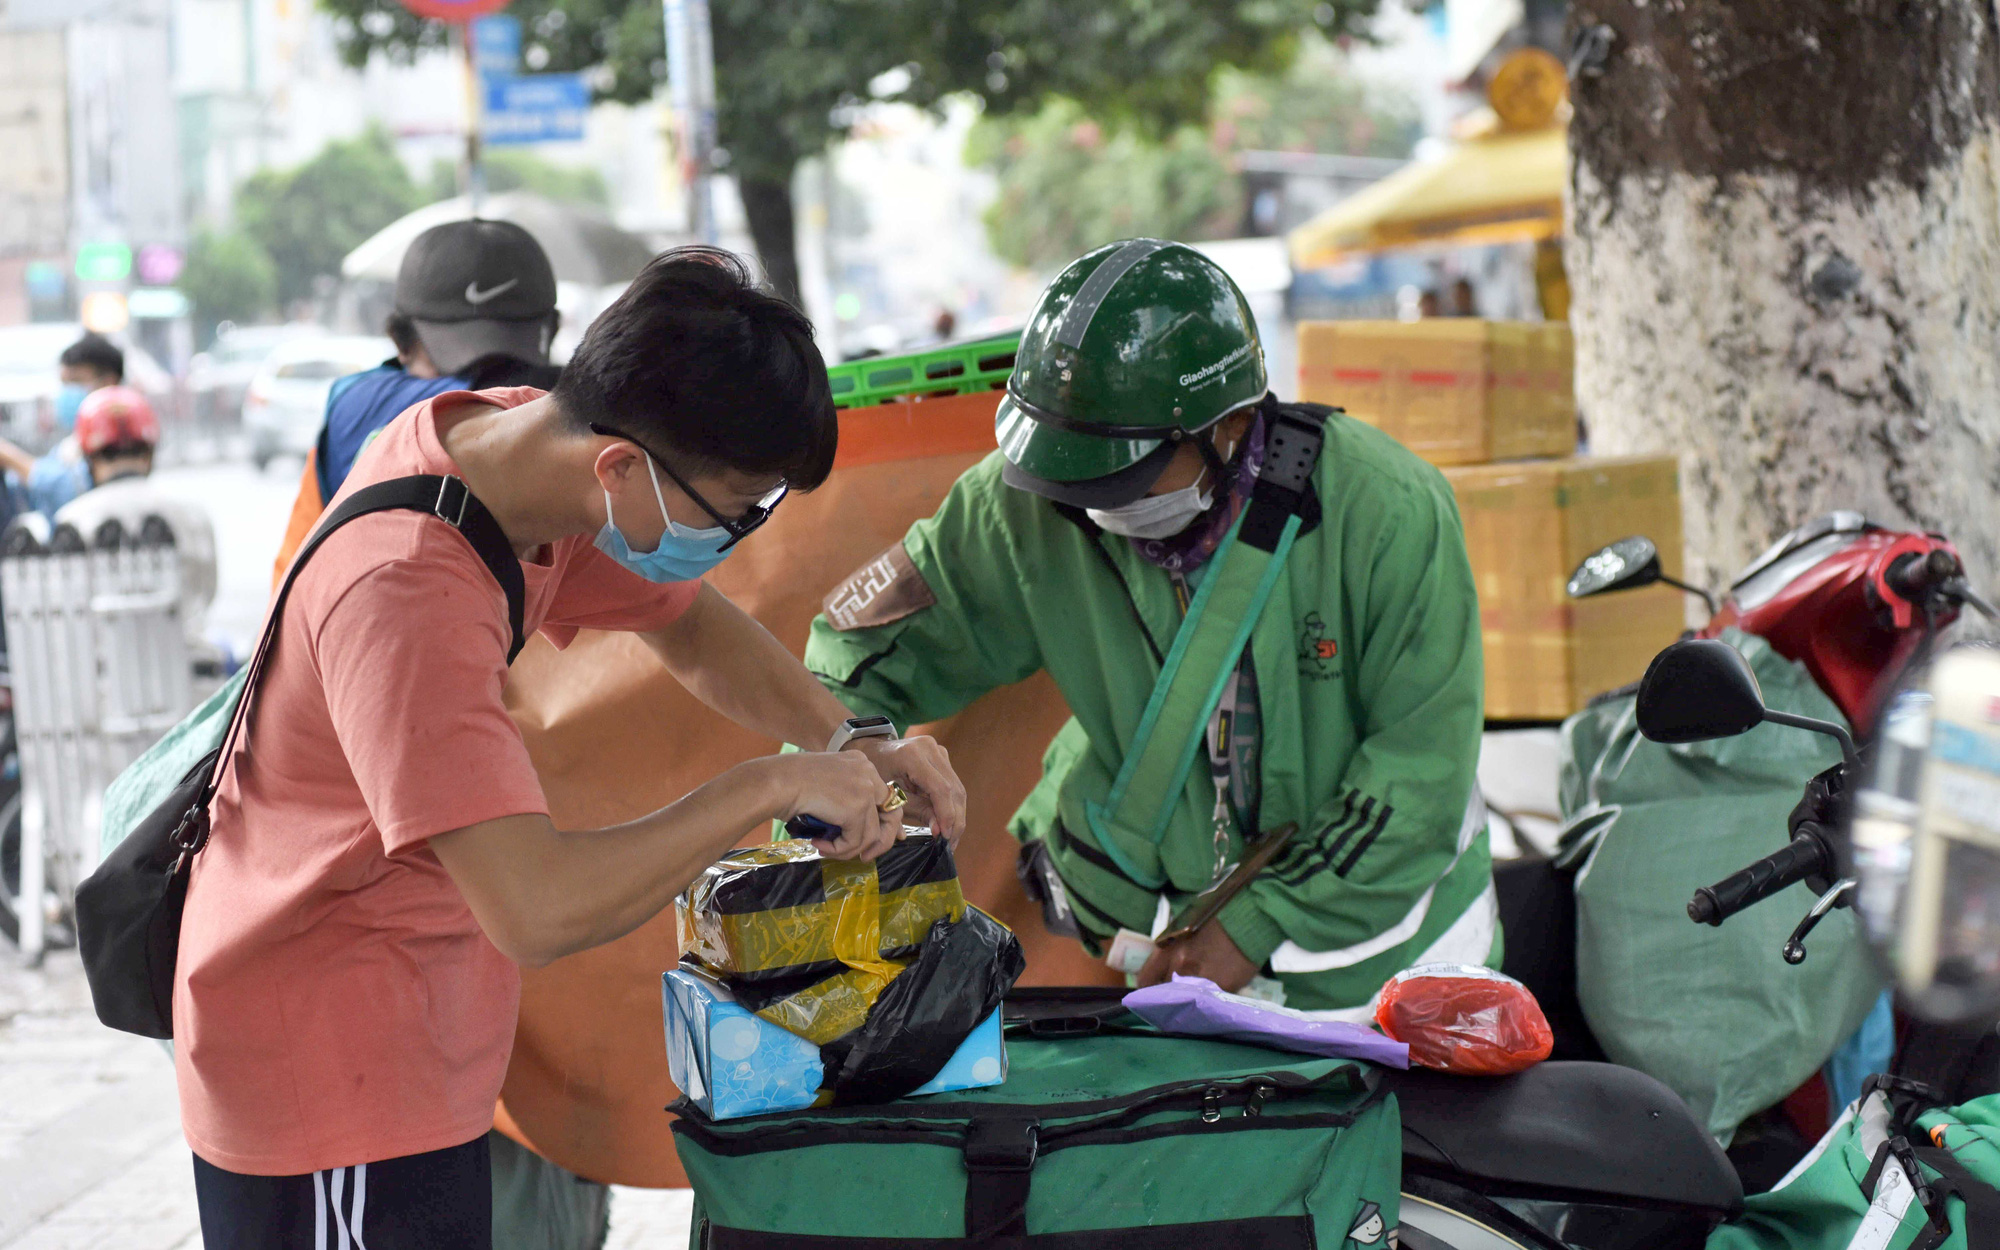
[731, 1063]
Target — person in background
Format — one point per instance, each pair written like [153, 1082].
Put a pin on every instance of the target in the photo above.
[44, 483]
[1428, 305]
[1464, 300]
[115, 433]
[91, 363]
[475, 308]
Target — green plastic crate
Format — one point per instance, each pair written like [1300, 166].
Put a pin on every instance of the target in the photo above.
[956, 370]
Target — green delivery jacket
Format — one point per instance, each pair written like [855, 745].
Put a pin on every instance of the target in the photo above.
[1370, 685]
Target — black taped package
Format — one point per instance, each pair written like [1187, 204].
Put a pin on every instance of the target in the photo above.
[808, 942]
[958, 979]
[883, 966]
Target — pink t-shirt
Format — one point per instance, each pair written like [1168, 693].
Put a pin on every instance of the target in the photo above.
[335, 1001]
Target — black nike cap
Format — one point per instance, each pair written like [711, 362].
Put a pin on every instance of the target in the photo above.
[475, 288]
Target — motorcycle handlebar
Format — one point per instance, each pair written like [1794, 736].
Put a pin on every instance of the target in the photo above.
[1805, 857]
[1914, 576]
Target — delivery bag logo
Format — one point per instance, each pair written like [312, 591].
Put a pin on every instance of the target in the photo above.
[887, 588]
[1368, 1228]
[1317, 651]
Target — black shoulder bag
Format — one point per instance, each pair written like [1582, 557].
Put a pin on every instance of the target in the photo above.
[128, 912]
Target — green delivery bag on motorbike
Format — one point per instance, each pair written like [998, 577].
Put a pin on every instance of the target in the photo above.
[1120, 1140]
[1716, 1014]
[1889, 1175]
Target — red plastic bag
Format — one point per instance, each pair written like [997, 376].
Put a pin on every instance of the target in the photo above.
[1464, 1019]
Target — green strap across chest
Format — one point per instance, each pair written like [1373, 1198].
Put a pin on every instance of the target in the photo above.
[1153, 780]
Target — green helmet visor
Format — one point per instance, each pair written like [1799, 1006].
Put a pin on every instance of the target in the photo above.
[1088, 442]
[1114, 490]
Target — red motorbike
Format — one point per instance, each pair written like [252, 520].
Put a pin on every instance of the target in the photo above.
[1857, 605]
[1850, 600]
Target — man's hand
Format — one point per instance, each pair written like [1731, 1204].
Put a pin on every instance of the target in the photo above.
[923, 767]
[842, 788]
[1209, 953]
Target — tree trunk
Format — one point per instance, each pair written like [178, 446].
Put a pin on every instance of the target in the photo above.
[1784, 243]
[767, 203]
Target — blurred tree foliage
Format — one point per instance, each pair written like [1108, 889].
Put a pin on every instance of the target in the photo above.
[510, 169]
[1070, 182]
[229, 277]
[309, 217]
[1067, 186]
[790, 73]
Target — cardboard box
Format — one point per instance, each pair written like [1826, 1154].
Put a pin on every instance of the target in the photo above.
[1527, 527]
[731, 1063]
[1456, 390]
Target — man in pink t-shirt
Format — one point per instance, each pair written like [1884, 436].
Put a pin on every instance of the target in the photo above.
[382, 857]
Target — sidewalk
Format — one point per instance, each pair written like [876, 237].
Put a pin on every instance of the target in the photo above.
[91, 1156]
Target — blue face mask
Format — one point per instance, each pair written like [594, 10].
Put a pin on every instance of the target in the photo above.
[68, 400]
[682, 555]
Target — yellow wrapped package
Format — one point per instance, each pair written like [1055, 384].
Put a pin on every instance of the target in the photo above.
[809, 943]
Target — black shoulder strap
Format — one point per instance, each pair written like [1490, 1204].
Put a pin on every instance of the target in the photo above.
[1294, 435]
[446, 498]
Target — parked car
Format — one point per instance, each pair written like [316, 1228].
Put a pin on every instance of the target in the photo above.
[219, 377]
[286, 400]
[29, 379]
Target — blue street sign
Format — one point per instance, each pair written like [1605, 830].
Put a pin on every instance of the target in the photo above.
[496, 44]
[536, 108]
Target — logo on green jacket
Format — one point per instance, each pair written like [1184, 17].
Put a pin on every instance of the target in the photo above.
[1318, 653]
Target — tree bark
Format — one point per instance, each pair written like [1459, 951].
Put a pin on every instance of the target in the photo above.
[1784, 244]
[767, 203]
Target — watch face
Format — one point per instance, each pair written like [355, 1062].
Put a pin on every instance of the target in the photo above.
[868, 722]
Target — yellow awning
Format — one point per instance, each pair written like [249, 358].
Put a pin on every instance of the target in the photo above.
[1497, 188]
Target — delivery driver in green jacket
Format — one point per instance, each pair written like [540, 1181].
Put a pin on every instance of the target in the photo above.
[1260, 614]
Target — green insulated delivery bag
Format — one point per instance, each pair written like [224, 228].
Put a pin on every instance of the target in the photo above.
[1120, 1140]
[1892, 1174]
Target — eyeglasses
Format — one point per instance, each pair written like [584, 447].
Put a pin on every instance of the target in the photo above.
[740, 527]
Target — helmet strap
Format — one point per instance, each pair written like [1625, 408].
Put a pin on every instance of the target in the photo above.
[1218, 472]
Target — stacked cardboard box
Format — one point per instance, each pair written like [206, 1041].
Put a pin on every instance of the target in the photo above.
[1491, 403]
[1454, 390]
[1527, 526]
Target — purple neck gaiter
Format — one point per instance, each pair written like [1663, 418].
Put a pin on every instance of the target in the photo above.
[1183, 552]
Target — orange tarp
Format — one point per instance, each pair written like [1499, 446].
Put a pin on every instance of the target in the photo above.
[613, 737]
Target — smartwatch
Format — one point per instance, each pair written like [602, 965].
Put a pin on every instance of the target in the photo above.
[861, 727]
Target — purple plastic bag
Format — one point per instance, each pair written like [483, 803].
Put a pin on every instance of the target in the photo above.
[1196, 1006]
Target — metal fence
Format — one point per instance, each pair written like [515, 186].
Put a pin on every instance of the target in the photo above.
[100, 669]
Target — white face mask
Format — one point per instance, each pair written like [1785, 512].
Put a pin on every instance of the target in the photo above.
[1155, 516]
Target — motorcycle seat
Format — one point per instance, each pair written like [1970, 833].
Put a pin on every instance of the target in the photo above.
[1564, 1126]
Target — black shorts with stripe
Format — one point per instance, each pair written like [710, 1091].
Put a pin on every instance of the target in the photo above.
[440, 1200]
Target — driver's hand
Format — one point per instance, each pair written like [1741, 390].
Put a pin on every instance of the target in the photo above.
[1207, 953]
[923, 767]
[842, 788]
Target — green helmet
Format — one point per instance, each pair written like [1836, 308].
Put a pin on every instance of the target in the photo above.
[1132, 349]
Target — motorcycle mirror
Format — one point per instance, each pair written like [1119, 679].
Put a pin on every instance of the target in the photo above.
[1925, 839]
[1696, 690]
[1700, 689]
[1626, 564]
